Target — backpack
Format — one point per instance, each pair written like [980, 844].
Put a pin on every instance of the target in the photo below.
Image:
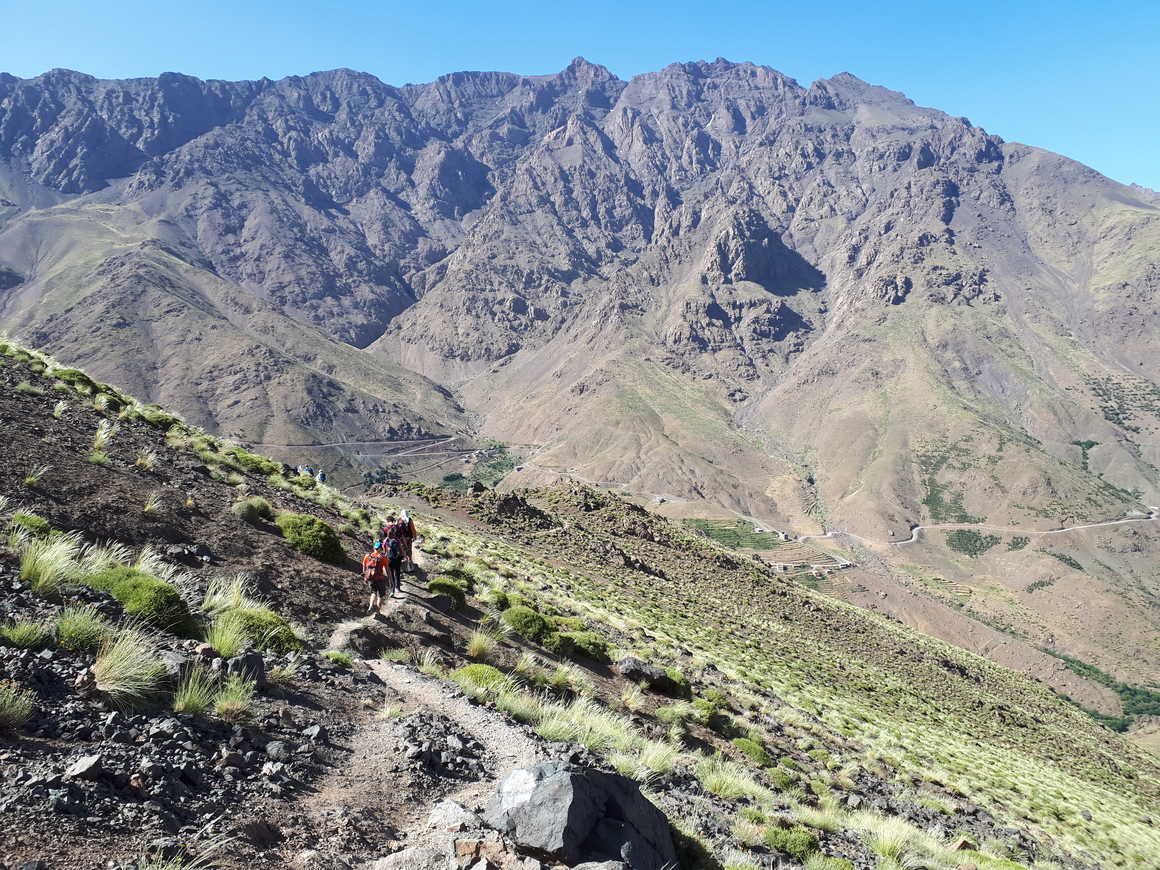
[394, 550]
[373, 566]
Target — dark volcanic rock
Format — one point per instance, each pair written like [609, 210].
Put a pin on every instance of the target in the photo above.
[576, 815]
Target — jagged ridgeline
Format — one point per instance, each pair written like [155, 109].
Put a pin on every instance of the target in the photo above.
[182, 648]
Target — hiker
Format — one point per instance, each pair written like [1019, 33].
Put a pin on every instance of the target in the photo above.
[385, 529]
[376, 564]
[393, 547]
[321, 476]
[408, 535]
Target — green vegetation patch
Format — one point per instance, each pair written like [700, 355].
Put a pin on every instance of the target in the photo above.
[311, 536]
[970, 542]
[478, 676]
[1018, 543]
[754, 750]
[267, 630]
[1136, 701]
[253, 509]
[34, 524]
[1065, 559]
[146, 597]
[447, 586]
[579, 643]
[797, 842]
[738, 534]
[528, 623]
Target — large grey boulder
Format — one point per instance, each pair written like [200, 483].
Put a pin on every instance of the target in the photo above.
[640, 671]
[577, 815]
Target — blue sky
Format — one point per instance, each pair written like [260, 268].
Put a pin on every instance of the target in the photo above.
[1080, 78]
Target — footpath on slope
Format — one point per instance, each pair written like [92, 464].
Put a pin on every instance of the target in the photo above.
[380, 800]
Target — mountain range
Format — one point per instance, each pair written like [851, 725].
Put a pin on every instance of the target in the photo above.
[823, 307]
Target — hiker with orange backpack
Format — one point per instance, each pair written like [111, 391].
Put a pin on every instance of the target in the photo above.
[376, 565]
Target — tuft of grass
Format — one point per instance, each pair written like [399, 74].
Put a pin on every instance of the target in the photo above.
[196, 692]
[25, 634]
[527, 623]
[632, 698]
[728, 780]
[339, 658]
[754, 750]
[569, 678]
[827, 816]
[33, 477]
[287, 674]
[153, 503]
[127, 669]
[81, 628]
[104, 434]
[46, 564]
[235, 699]
[268, 630]
[480, 645]
[230, 593]
[145, 460]
[429, 664]
[59, 408]
[227, 634]
[400, 655]
[474, 678]
[16, 705]
[99, 457]
[28, 389]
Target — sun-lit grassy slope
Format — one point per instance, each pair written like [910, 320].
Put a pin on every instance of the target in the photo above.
[924, 708]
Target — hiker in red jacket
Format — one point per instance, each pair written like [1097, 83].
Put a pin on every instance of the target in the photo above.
[375, 565]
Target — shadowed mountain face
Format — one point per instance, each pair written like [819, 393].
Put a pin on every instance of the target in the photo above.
[817, 305]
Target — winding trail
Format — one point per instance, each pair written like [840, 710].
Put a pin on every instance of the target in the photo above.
[917, 530]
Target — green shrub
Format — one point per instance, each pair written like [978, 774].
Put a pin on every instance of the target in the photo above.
[683, 689]
[478, 676]
[790, 763]
[823, 862]
[339, 658]
[754, 750]
[253, 509]
[675, 714]
[16, 705]
[797, 842]
[34, 524]
[311, 536]
[781, 778]
[145, 597]
[498, 599]
[25, 634]
[81, 629]
[445, 586]
[267, 630]
[252, 462]
[527, 623]
[970, 542]
[76, 379]
[582, 643]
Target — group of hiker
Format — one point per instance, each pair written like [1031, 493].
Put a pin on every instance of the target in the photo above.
[391, 554]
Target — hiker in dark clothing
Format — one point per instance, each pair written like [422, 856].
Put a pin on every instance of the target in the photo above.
[393, 547]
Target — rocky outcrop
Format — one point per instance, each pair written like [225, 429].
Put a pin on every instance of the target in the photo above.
[578, 815]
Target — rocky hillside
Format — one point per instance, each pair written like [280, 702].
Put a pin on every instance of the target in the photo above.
[186, 671]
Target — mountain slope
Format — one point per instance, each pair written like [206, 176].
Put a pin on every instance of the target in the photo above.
[878, 732]
[823, 307]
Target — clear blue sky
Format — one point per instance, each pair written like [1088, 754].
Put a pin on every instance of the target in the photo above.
[1080, 78]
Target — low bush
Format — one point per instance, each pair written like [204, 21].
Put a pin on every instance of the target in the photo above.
[126, 669]
[478, 676]
[797, 842]
[253, 509]
[25, 634]
[527, 623]
[781, 778]
[754, 750]
[445, 586]
[252, 462]
[339, 658]
[157, 418]
[311, 536]
[582, 643]
[682, 688]
[16, 705]
[34, 524]
[81, 628]
[823, 862]
[267, 630]
[146, 597]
